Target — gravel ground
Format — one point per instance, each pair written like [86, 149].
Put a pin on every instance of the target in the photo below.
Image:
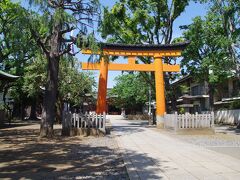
[24, 156]
[217, 140]
[223, 141]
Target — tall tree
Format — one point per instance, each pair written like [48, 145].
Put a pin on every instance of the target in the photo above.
[214, 50]
[16, 47]
[228, 12]
[14, 37]
[57, 19]
[207, 57]
[141, 21]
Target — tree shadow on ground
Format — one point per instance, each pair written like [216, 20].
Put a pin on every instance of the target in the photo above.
[126, 130]
[7, 125]
[139, 124]
[234, 130]
[23, 155]
[129, 128]
[227, 129]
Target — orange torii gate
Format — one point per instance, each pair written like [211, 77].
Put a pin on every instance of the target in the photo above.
[133, 51]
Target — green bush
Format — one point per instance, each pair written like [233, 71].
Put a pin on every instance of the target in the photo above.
[181, 110]
[235, 104]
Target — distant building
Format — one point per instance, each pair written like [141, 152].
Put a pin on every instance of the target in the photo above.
[4, 79]
[111, 109]
[192, 96]
[228, 92]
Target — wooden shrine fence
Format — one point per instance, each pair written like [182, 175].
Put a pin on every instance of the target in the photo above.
[189, 121]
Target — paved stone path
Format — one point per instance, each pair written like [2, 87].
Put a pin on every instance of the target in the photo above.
[150, 154]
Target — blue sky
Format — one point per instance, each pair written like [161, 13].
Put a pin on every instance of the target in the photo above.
[193, 10]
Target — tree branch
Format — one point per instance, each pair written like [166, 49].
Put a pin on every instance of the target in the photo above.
[66, 50]
[69, 29]
[39, 41]
[52, 4]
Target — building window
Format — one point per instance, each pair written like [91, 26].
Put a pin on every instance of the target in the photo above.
[197, 90]
[236, 88]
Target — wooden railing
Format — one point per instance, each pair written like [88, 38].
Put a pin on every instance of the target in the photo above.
[188, 121]
[87, 121]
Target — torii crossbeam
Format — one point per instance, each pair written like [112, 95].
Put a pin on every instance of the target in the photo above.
[133, 51]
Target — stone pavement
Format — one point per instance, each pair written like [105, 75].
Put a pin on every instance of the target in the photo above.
[149, 154]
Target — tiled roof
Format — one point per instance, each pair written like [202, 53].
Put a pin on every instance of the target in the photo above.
[176, 46]
[6, 76]
[182, 79]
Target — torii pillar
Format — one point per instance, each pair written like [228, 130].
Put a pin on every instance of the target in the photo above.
[160, 91]
[102, 88]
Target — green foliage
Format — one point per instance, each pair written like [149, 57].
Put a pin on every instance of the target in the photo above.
[141, 21]
[213, 55]
[207, 57]
[73, 16]
[131, 91]
[235, 104]
[184, 89]
[30, 39]
[35, 76]
[73, 85]
[181, 110]
[17, 47]
[16, 43]
[214, 40]
[2, 107]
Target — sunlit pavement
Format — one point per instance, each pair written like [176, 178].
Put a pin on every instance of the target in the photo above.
[149, 154]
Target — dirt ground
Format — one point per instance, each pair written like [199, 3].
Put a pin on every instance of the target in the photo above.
[24, 156]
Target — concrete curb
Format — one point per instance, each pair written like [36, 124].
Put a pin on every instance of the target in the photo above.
[131, 170]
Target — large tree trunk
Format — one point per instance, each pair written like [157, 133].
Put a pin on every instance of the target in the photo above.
[50, 95]
[48, 112]
[59, 107]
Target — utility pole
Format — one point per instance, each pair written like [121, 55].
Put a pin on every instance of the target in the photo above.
[149, 102]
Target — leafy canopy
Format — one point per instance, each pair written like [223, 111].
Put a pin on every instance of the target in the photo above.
[73, 84]
[16, 44]
[141, 21]
[130, 91]
[207, 57]
[69, 20]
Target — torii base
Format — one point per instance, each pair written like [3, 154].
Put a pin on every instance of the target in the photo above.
[160, 122]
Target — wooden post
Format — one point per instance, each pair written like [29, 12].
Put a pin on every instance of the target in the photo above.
[175, 121]
[67, 124]
[160, 95]
[102, 87]
[78, 120]
[166, 120]
[212, 119]
[104, 121]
